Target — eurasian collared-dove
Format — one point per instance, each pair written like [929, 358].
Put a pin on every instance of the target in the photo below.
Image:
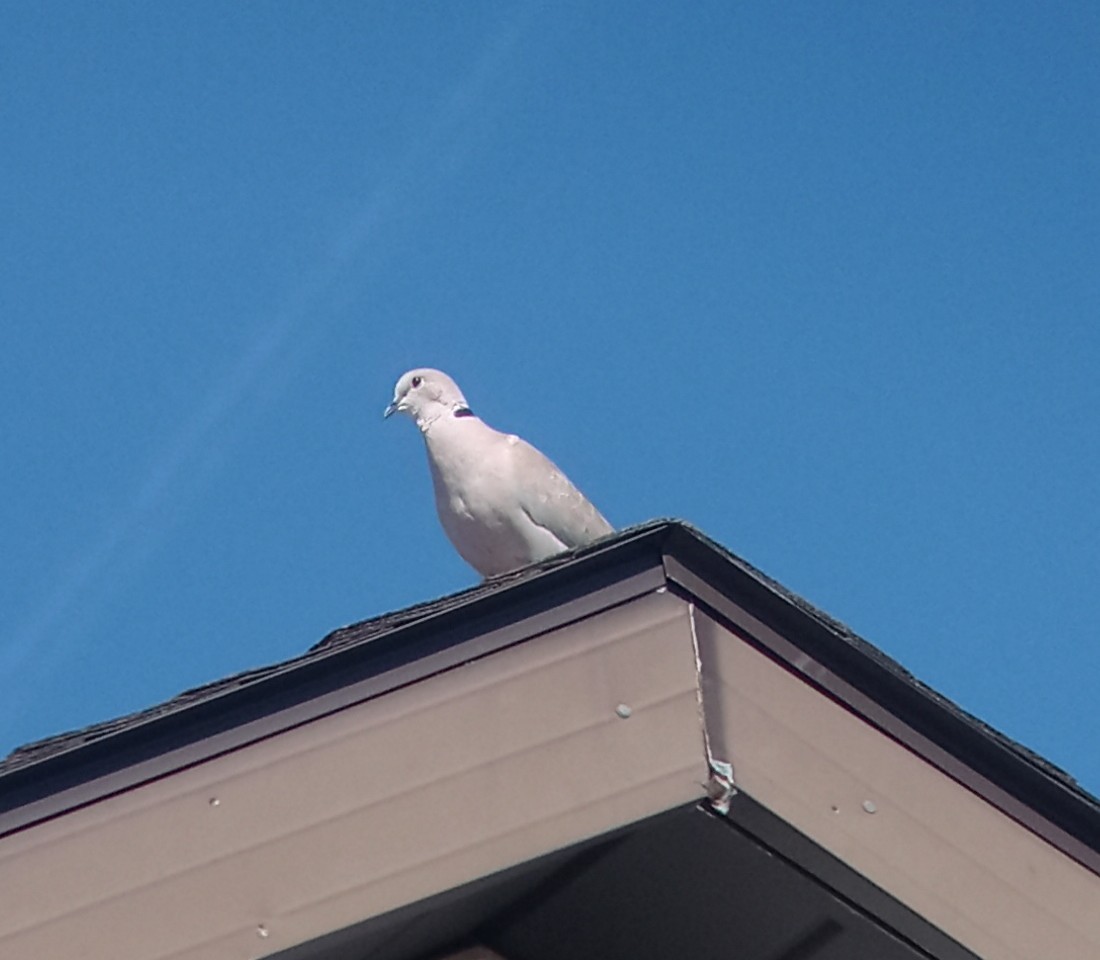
[502, 503]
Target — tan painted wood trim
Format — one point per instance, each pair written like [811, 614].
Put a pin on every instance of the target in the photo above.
[878, 714]
[238, 734]
[954, 858]
[365, 809]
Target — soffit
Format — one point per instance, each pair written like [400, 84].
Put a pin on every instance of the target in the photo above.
[688, 884]
[684, 883]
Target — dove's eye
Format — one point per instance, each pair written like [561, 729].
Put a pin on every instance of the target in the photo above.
[416, 381]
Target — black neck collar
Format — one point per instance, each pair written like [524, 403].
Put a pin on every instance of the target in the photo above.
[463, 412]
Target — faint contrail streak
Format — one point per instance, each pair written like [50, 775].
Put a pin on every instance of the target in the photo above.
[170, 477]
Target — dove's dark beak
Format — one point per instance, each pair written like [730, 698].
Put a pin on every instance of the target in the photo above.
[390, 410]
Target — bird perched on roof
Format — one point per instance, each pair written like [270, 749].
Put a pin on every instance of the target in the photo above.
[502, 503]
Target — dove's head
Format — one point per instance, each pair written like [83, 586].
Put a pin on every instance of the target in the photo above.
[426, 395]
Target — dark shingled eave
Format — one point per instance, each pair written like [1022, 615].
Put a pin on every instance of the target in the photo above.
[626, 564]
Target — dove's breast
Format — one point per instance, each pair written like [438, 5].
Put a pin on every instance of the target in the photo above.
[477, 499]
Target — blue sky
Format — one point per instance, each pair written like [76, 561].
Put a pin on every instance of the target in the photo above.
[821, 279]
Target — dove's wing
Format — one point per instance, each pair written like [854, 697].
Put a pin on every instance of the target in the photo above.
[550, 501]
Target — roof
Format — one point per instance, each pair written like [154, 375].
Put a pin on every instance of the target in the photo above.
[57, 762]
[491, 767]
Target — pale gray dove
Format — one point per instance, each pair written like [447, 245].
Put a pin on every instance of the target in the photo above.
[502, 503]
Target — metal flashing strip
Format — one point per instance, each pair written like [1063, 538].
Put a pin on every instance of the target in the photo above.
[306, 691]
[720, 785]
[755, 631]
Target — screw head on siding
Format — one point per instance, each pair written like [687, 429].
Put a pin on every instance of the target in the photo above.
[869, 806]
[623, 710]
